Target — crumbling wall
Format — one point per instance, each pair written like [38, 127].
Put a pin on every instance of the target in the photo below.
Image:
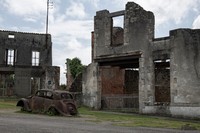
[22, 81]
[117, 36]
[23, 44]
[69, 77]
[137, 35]
[181, 48]
[134, 32]
[91, 91]
[52, 77]
[76, 85]
[169, 74]
[185, 72]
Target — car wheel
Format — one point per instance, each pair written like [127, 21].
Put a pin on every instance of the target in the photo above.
[23, 109]
[72, 109]
[52, 111]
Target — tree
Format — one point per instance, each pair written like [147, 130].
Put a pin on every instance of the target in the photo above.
[75, 66]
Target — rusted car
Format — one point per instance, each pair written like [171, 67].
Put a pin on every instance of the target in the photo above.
[53, 102]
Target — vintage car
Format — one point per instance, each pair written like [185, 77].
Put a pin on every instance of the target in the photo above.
[52, 102]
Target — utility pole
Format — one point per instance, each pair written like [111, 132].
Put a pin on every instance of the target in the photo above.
[47, 17]
[47, 21]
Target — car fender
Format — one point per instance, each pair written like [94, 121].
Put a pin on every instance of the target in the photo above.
[57, 109]
[24, 103]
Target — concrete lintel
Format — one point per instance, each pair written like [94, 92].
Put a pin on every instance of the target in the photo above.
[118, 13]
[132, 55]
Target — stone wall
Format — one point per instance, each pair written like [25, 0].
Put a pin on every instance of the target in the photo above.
[137, 37]
[22, 67]
[91, 91]
[185, 64]
[168, 67]
[185, 72]
[25, 43]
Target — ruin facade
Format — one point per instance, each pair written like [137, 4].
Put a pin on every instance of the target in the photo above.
[26, 63]
[131, 69]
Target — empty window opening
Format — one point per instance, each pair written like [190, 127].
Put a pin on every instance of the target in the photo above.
[117, 31]
[11, 36]
[162, 81]
[35, 58]
[118, 21]
[10, 57]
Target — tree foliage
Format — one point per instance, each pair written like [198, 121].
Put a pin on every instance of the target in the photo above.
[62, 87]
[75, 66]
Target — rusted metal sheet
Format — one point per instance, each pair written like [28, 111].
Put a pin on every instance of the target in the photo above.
[112, 79]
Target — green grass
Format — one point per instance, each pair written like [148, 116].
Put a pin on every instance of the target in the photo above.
[7, 104]
[135, 120]
[120, 119]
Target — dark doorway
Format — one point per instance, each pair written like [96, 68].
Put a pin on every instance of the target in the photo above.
[7, 84]
[162, 81]
[120, 84]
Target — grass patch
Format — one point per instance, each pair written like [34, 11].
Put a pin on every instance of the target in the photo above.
[135, 120]
[120, 119]
[7, 104]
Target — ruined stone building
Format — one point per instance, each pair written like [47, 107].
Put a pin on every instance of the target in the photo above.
[133, 70]
[26, 63]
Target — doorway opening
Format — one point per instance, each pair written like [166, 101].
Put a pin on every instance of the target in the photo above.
[162, 81]
[7, 83]
[120, 84]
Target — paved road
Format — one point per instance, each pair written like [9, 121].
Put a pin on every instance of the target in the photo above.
[11, 122]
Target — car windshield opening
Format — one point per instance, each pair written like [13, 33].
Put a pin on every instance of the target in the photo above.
[66, 96]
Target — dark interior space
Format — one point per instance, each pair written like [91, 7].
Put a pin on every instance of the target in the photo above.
[120, 83]
[162, 81]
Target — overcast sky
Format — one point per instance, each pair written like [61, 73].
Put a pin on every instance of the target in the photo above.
[71, 21]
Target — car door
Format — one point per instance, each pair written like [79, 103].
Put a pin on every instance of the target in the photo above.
[48, 100]
[37, 101]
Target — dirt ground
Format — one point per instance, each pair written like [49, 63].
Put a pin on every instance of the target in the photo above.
[11, 121]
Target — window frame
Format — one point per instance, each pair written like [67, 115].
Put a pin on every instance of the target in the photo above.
[35, 58]
[10, 57]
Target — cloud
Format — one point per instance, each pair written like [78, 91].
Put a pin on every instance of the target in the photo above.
[70, 49]
[67, 42]
[95, 2]
[1, 19]
[29, 10]
[71, 38]
[73, 28]
[76, 10]
[196, 23]
[25, 7]
[169, 10]
[30, 19]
